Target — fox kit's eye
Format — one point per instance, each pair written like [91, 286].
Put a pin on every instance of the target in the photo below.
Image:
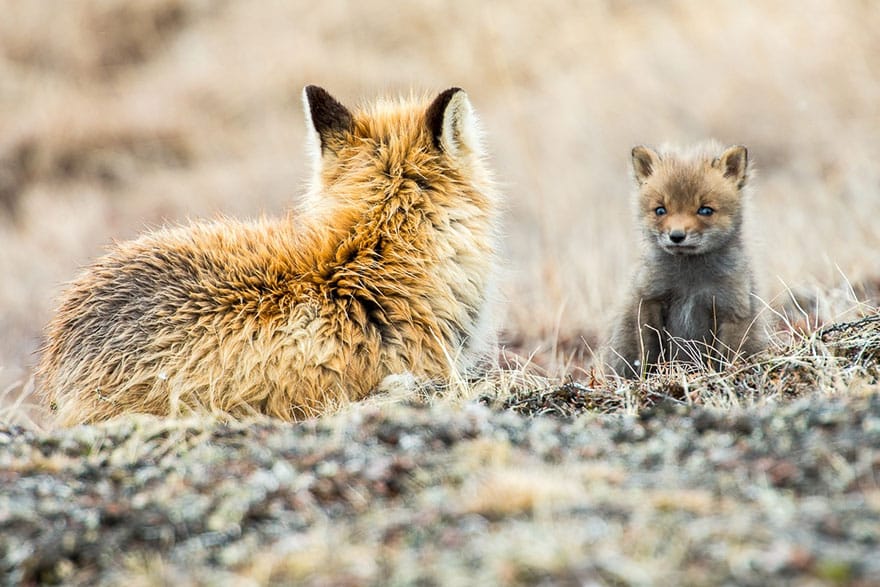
[705, 211]
[659, 210]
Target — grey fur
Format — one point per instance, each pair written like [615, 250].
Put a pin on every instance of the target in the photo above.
[696, 308]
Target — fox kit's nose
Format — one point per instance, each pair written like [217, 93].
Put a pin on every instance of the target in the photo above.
[677, 236]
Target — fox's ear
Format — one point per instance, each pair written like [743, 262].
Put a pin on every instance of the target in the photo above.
[734, 163]
[644, 162]
[326, 116]
[452, 123]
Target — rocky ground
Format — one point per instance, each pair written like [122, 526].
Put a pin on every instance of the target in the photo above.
[547, 487]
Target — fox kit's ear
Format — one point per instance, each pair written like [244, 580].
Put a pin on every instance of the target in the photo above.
[326, 116]
[452, 123]
[644, 161]
[734, 163]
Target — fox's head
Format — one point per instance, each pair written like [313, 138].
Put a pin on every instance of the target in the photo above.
[690, 204]
[418, 150]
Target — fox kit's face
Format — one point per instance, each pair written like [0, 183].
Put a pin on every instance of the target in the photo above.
[690, 206]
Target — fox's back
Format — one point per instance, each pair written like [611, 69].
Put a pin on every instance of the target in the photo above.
[386, 270]
[174, 303]
[179, 276]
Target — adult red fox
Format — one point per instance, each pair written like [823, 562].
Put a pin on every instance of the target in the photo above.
[387, 269]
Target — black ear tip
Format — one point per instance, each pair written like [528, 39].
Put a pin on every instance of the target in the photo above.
[328, 115]
[313, 92]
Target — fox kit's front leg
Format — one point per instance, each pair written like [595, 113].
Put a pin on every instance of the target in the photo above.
[636, 341]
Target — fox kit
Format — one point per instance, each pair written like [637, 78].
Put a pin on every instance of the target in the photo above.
[387, 271]
[693, 297]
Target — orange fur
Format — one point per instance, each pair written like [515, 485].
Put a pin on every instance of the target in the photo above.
[387, 269]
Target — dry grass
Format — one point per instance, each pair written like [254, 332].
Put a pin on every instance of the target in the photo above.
[118, 115]
[839, 359]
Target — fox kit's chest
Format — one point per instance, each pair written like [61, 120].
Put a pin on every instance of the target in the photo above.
[690, 304]
[694, 294]
[690, 315]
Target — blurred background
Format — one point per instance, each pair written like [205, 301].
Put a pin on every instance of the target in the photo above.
[117, 116]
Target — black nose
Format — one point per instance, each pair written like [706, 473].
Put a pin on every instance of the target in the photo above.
[677, 236]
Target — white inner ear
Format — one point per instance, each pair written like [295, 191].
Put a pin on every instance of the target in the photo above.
[313, 139]
[461, 133]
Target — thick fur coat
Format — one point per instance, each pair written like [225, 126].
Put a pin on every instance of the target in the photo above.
[387, 270]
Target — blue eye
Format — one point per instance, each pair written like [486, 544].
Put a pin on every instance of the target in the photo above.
[705, 211]
[659, 210]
